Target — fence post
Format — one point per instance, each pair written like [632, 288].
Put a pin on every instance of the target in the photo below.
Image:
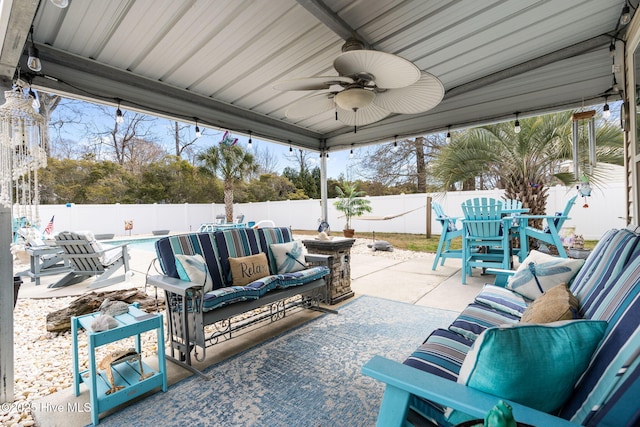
[428, 217]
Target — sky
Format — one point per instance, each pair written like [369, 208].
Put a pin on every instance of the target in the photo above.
[90, 119]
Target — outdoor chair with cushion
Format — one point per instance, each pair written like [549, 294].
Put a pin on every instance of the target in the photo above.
[89, 258]
[449, 232]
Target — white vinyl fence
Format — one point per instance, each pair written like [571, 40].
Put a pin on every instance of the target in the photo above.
[404, 213]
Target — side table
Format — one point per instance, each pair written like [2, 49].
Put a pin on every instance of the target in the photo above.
[126, 374]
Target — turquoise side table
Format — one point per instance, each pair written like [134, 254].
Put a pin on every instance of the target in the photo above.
[126, 374]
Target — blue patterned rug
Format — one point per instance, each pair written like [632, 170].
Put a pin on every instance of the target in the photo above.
[308, 376]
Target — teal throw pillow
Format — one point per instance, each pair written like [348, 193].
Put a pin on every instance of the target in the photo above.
[193, 268]
[289, 256]
[540, 272]
[536, 365]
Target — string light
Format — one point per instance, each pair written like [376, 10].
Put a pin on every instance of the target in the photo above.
[249, 143]
[33, 62]
[395, 143]
[119, 116]
[606, 113]
[351, 152]
[290, 147]
[198, 133]
[516, 127]
[448, 137]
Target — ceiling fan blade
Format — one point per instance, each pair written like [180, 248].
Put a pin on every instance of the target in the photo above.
[369, 114]
[421, 96]
[389, 71]
[312, 83]
[310, 106]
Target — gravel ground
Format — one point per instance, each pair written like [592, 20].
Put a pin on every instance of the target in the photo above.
[43, 360]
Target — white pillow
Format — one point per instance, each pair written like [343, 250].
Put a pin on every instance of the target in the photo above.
[193, 268]
[289, 256]
[547, 269]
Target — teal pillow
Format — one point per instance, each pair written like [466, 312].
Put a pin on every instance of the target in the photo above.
[193, 268]
[540, 272]
[536, 365]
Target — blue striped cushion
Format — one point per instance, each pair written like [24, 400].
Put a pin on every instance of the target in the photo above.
[263, 285]
[441, 354]
[304, 276]
[224, 296]
[274, 235]
[502, 299]
[476, 318]
[235, 243]
[606, 260]
[189, 244]
[619, 305]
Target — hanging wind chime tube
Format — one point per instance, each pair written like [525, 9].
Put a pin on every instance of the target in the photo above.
[22, 153]
[576, 118]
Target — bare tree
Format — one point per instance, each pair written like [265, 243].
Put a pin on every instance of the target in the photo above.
[266, 160]
[67, 113]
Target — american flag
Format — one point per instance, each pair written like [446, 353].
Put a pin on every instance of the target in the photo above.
[49, 228]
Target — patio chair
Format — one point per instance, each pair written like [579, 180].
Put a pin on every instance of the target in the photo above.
[449, 232]
[89, 258]
[485, 243]
[550, 234]
[515, 206]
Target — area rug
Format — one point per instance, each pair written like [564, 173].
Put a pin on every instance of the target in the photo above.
[308, 376]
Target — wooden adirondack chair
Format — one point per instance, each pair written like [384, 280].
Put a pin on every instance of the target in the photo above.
[484, 227]
[450, 231]
[550, 234]
[89, 258]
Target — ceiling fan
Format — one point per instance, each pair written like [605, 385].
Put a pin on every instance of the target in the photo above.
[369, 86]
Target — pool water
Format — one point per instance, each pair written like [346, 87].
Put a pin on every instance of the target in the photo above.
[148, 245]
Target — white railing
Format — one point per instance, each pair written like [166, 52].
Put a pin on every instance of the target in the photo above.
[606, 210]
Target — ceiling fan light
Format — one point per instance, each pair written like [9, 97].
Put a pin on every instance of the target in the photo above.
[354, 98]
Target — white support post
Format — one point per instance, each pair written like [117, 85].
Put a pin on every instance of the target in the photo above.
[6, 307]
[323, 186]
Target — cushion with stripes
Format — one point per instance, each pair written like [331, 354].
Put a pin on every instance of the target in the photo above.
[476, 318]
[274, 235]
[502, 299]
[189, 244]
[235, 243]
[615, 364]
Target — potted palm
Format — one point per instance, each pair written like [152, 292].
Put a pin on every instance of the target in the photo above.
[351, 203]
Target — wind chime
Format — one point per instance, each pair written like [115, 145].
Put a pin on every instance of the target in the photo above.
[584, 188]
[22, 153]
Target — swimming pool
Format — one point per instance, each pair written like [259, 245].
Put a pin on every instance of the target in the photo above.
[144, 244]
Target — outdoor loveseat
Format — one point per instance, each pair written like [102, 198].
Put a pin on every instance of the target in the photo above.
[220, 275]
[582, 371]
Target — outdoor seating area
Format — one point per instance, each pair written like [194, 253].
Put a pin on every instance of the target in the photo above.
[230, 272]
[580, 363]
[493, 231]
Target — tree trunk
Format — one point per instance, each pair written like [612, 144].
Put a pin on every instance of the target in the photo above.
[228, 200]
[421, 166]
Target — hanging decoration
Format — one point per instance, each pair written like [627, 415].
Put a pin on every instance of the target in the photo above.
[576, 119]
[228, 140]
[22, 153]
[584, 189]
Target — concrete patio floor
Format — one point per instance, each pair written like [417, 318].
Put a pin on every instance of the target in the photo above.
[411, 281]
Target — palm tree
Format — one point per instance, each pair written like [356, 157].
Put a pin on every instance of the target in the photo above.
[351, 203]
[524, 163]
[230, 163]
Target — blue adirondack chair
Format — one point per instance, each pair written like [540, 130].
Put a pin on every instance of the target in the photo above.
[450, 231]
[550, 234]
[513, 207]
[484, 227]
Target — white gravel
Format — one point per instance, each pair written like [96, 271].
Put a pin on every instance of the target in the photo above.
[43, 360]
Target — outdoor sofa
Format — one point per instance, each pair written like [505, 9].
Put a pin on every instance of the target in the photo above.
[583, 371]
[220, 275]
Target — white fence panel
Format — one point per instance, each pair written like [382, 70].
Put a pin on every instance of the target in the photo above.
[405, 213]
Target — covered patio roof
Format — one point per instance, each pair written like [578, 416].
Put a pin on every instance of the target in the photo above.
[217, 61]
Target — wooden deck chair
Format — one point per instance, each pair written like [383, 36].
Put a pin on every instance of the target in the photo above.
[89, 258]
[550, 234]
[484, 227]
[450, 231]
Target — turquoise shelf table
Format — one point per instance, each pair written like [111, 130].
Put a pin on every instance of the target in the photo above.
[126, 374]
